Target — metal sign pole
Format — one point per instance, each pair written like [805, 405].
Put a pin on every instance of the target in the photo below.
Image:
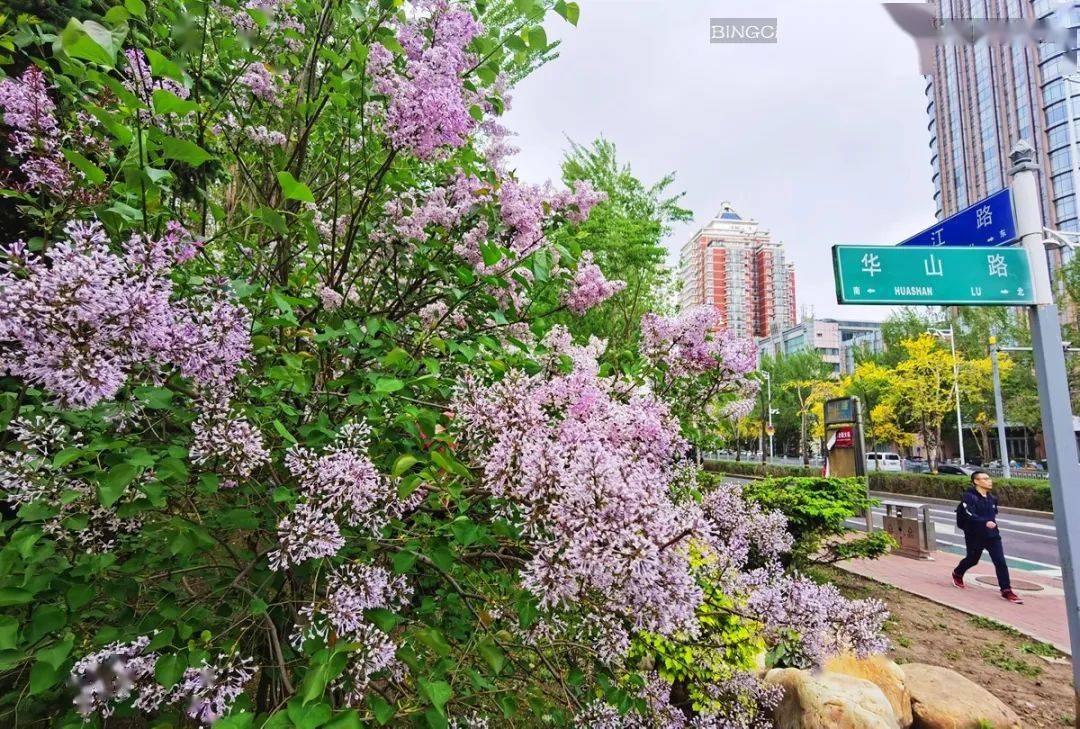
[999, 411]
[1058, 435]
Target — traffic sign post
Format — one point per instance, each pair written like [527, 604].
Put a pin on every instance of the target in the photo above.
[989, 222]
[941, 276]
[949, 265]
[1062, 462]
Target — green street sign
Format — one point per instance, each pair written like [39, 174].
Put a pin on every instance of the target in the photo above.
[939, 275]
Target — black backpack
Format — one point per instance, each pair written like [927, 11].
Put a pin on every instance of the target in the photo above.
[961, 516]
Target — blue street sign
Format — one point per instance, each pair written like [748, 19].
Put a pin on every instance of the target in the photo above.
[989, 222]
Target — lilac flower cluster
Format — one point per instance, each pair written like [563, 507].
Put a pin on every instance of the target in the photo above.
[81, 321]
[29, 476]
[589, 287]
[427, 104]
[747, 704]
[350, 591]
[586, 474]
[263, 84]
[693, 342]
[34, 134]
[737, 409]
[340, 485]
[826, 622]
[227, 438]
[121, 671]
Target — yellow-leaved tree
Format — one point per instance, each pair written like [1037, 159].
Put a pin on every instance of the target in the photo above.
[921, 392]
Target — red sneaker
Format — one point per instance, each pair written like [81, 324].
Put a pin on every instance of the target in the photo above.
[958, 581]
[1011, 597]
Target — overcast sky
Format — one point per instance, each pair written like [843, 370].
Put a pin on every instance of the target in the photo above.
[821, 137]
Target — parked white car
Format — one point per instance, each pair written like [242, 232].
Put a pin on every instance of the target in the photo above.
[883, 462]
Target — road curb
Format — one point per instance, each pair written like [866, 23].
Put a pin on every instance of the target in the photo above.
[1064, 648]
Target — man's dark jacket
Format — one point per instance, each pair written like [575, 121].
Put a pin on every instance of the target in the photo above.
[978, 510]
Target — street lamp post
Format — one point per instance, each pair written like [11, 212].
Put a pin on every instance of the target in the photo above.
[768, 389]
[956, 387]
[999, 410]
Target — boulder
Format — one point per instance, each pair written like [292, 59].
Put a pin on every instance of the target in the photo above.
[943, 699]
[884, 674]
[822, 700]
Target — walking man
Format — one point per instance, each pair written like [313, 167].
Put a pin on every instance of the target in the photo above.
[977, 516]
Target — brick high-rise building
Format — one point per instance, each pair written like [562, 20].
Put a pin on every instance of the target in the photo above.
[734, 265]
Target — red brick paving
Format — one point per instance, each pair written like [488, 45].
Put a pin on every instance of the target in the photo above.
[1042, 616]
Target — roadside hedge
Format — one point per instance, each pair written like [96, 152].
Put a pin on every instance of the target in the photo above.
[1020, 493]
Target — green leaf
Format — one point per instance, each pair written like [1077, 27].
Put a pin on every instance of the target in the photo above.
[382, 710]
[66, 456]
[403, 463]
[309, 716]
[14, 596]
[284, 432]
[156, 398]
[403, 562]
[9, 632]
[570, 11]
[90, 41]
[437, 692]
[166, 102]
[94, 174]
[55, 654]
[46, 619]
[537, 38]
[136, 8]
[169, 669]
[388, 384]
[345, 720]
[294, 189]
[182, 150]
[433, 639]
[492, 654]
[464, 530]
[385, 619]
[42, 677]
[115, 481]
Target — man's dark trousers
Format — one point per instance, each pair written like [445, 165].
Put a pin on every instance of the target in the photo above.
[975, 546]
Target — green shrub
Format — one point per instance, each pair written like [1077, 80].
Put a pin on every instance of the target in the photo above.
[816, 509]
[1020, 493]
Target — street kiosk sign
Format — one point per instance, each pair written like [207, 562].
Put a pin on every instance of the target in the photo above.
[934, 276]
[989, 222]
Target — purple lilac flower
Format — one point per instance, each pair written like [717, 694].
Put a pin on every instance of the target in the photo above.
[427, 105]
[80, 323]
[34, 134]
[227, 438]
[589, 287]
[262, 83]
[693, 342]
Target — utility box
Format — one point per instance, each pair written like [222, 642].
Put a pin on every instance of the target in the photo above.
[910, 525]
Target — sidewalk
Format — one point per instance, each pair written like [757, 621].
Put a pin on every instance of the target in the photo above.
[1042, 616]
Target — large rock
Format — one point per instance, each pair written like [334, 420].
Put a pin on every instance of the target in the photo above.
[829, 701]
[884, 674]
[943, 699]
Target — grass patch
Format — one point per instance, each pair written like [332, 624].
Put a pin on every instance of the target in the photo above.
[997, 655]
[980, 622]
[1036, 648]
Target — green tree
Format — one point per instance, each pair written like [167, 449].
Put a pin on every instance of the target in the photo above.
[625, 232]
[794, 378]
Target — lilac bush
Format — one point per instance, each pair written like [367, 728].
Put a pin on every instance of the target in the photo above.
[296, 419]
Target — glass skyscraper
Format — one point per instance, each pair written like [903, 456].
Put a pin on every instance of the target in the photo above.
[983, 97]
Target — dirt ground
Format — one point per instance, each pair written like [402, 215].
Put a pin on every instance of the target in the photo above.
[1033, 678]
